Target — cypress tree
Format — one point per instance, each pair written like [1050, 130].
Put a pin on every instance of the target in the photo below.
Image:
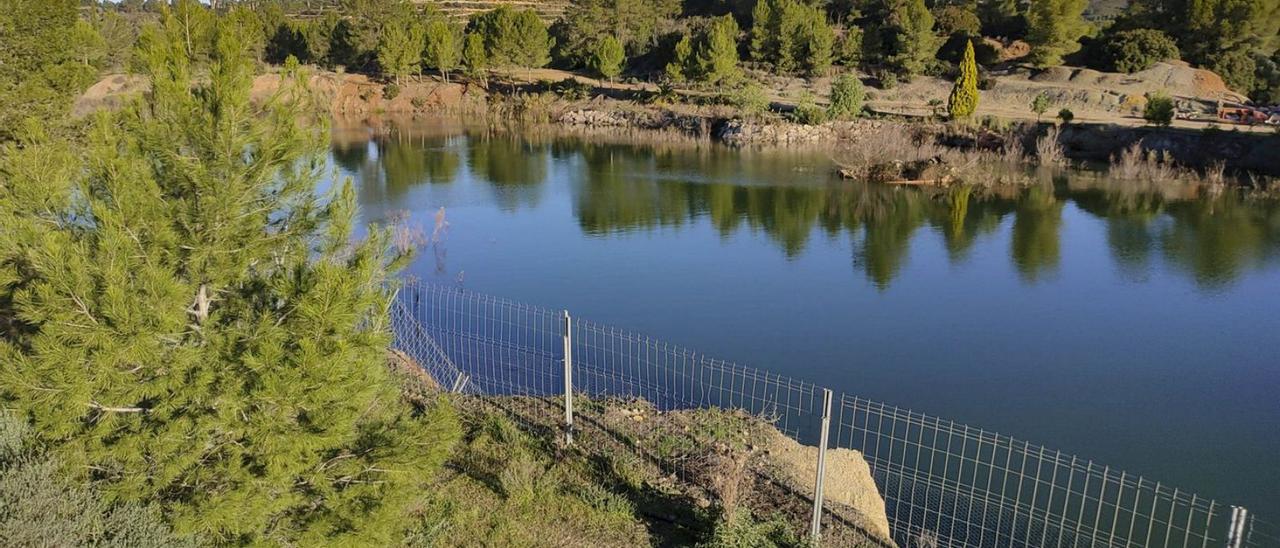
[189, 322]
[963, 101]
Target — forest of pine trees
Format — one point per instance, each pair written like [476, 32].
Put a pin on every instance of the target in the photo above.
[190, 338]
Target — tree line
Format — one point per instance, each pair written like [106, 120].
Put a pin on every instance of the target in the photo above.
[711, 41]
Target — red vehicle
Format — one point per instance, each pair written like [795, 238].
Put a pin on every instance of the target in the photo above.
[1242, 115]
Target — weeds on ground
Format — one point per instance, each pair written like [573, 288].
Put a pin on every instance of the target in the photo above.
[512, 489]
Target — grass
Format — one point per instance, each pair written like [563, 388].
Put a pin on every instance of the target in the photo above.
[506, 488]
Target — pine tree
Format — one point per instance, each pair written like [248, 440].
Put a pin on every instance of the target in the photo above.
[718, 57]
[608, 57]
[791, 35]
[677, 70]
[442, 51]
[190, 323]
[514, 38]
[400, 49]
[39, 74]
[474, 54]
[1054, 28]
[763, 37]
[963, 101]
[915, 43]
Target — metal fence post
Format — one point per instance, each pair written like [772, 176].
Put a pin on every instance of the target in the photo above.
[815, 530]
[1235, 531]
[568, 379]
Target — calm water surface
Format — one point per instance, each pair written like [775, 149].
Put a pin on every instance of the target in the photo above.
[1136, 326]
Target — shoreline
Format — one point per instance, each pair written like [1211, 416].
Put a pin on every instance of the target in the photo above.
[579, 106]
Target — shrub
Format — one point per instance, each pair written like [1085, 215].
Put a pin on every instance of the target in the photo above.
[1135, 50]
[1066, 116]
[391, 91]
[1159, 109]
[1040, 104]
[808, 112]
[41, 507]
[847, 95]
[1049, 149]
[1237, 68]
[888, 79]
[751, 99]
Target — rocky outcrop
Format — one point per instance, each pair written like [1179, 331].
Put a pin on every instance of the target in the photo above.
[742, 132]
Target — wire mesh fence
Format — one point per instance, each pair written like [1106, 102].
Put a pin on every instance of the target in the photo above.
[944, 483]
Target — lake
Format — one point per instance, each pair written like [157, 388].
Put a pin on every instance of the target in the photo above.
[1133, 324]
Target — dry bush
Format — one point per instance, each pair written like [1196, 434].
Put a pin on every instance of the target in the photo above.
[1216, 173]
[1049, 151]
[1157, 166]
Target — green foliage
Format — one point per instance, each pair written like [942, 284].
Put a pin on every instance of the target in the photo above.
[750, 99]
[1209, 29]
[400, 49]
[847, 95]
[608, 58]
[358, 35]
[963, 101]
[1266, 87]
[119, 34]
[196, 327]
[1040, 104]
[39, 73]
[474, 54]
[1006, 18]
[741, 530]
[1159, 109]
[1054, 28]
[808, 112]
[791, 35]
[88, 47]
[443, 51]
[717, 57]
[849, 47]
[1066, 116]
[1237, 69]
[40, 507]
[636, 24]
[680, 68]
[958, 19]
[513, 38]
[911, 42]
[1135, 50]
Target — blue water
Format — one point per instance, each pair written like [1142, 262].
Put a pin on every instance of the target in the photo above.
[1133, 325]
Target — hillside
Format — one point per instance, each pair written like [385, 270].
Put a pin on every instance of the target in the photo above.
[549, 10]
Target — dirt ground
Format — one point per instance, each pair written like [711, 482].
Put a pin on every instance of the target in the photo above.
[695, 453]
[1092, 96]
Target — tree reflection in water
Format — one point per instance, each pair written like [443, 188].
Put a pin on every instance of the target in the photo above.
[792, 198]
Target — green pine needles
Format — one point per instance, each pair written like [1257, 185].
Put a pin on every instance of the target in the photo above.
[963, 101]
[188, 321]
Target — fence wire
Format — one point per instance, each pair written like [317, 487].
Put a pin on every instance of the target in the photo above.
[944, 484]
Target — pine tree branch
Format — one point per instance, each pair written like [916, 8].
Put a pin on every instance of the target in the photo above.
[101, 407]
